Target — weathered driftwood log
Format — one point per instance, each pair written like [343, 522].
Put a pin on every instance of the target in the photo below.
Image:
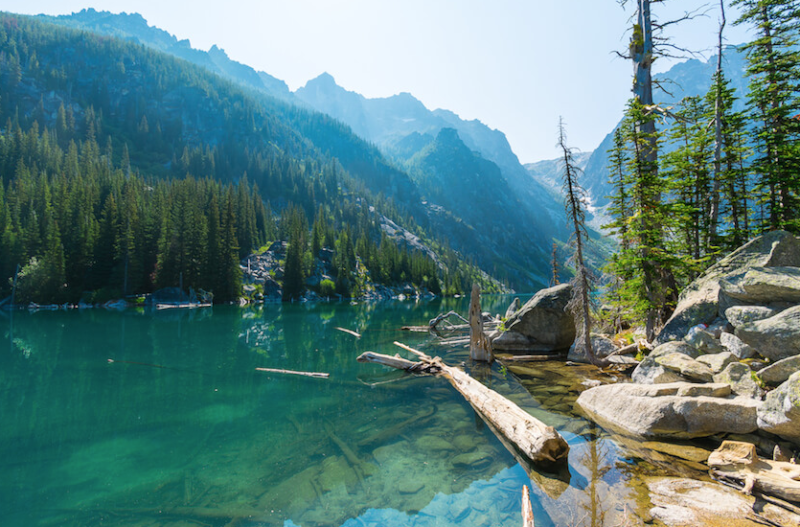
[527, 509]
[480, 347]
[532, 438]
[349, 332]
[738, 460]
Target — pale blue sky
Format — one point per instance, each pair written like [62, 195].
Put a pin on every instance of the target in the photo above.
[514, 64]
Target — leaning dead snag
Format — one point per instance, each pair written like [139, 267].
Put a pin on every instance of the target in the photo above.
[530, 437]
[480, 347]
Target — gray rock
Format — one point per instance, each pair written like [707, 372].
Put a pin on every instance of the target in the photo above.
[650, 372]
[622, 407]
[736, 346]
[686, 366]
[779, 372]
[677, 346]
[741, 315]
[780, 413]
[602, 347]
[515, 306]
[717, 361]
[703, 341]
[761, 285]
[541, 325]
[740, 378]
[709, 389]
[699, 301]
[776, 337]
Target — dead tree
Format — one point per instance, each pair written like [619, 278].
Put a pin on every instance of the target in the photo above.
[480, 347]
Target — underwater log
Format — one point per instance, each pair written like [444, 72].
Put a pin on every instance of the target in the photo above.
[540, 443]
[527, 510]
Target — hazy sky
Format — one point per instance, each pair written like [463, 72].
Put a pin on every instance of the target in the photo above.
[516, 65]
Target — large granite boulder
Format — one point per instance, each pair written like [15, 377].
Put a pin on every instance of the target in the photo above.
[542, 325]
[513, 308]
[717, 361]
[776, 337]
[741, 315]
[662, 411]
[601, 346]
[699, 301]
[779, 372]
[677, 346]
[760, 285]
[780, 413]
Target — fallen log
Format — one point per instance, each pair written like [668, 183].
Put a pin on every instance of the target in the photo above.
[529, 436]
[302, 373]
[443, 317]
[739, 461]
[349, 332]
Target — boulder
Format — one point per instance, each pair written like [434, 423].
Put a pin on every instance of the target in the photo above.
[601, 346]
[717, 361]
[761, 285]
[776, 337]
[740, 378]
[677, 346]
[780, 413]
[515, 306]
[650, 372]
[633, 409]
[735, 346]
[698, 302]
[686, 366]
[542, 325]
[779, 372]
[703, 341]
[741, 315]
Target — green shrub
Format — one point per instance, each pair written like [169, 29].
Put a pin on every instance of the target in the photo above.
[327, 288]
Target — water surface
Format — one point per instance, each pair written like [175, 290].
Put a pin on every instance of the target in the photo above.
[160, 419]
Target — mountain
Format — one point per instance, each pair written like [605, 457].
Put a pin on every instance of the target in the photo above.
[400, 127]
[134, 27]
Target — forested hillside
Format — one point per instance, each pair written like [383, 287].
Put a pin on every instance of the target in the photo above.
[128, 169]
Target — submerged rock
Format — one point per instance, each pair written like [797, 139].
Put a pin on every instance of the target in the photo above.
[541, 325]
[644, 411]
[780, 413]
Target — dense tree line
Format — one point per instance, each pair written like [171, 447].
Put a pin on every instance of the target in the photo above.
[722, 177]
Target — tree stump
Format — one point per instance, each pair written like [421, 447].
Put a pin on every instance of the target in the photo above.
[480, 348]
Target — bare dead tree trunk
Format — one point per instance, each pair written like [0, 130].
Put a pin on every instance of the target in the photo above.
[714, 212]
[480, 348]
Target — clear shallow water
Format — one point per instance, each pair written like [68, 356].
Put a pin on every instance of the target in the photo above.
[181, 430]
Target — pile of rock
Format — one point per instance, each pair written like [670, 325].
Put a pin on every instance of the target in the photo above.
[729, 358]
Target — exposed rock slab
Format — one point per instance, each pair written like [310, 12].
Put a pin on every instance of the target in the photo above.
[780, 413]
[780, 371]
[717, 361]
[776, 337]
[542, 325]
[677, 346]
[699, 301]
[686, 366]
[629, 408]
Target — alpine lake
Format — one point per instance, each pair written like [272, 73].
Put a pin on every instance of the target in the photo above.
[159, 418]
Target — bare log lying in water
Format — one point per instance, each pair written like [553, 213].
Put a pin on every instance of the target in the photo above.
[349, 332]
[301, 373]
[532, 438]
[739, 461]
[443, 317]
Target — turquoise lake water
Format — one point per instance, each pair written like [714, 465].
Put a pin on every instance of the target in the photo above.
[160, 419]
